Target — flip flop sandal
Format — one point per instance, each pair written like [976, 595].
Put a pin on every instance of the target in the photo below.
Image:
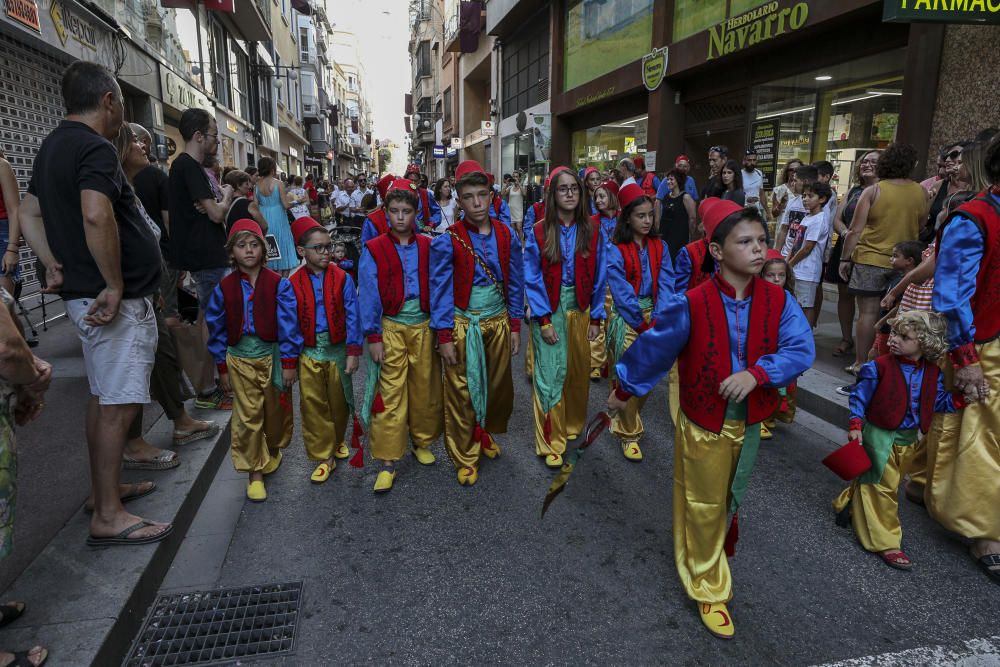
[21, 659]
[10, 612]
[131, 495]
[990, 564]
[122, 538]
[187, 437]
[166, 460]
[841, 350]
[897, 559]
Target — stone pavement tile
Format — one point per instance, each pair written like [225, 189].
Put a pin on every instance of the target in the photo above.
[198, 562]
[221, 507]
[69, 644]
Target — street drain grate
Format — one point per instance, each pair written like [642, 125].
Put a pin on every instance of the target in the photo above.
[219, 626]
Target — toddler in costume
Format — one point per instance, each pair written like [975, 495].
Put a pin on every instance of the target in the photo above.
[892, 404]
[777, 271]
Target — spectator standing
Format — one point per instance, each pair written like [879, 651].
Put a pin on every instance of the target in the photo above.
[514, 194]
[243, 206]
[732, 181]
[273, 202]
[717, 158]
[753, 183]
[626, 168]
[677, 213]
[781, 194]
[10, 231]
[348, 204]
[108, 266]
[955, 180]
[298, 197]
[646, 180]
[446, 199]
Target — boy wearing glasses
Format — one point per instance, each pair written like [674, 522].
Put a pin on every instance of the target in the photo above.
[329, 322]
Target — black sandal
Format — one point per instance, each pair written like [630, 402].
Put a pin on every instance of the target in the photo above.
[990, 564]
[841, 351]
[21, 658]
[10, 612]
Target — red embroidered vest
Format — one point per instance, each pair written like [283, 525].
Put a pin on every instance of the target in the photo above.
[706, 359]
[263, 304]
[891, 400]
[697, 251]
[633, 264]
[425, 206]
[586, 269]
[465, 264]
[333, 301]
[391, 282]
[379, 220]
[647, 185]
[539, 208]
[985, 212]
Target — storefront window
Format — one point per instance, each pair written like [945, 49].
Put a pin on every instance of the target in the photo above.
[603, 35]
[603, 146]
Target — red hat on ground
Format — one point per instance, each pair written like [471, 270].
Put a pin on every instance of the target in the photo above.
[588, 170]
[469, 167]
[303, 225]
[411, 169]
[640, 163]
[611, 186]
[246, 225]
[713, 210]
[383, 185]
[404, 184]
[682, 157]
[773, 254]
[629, 194]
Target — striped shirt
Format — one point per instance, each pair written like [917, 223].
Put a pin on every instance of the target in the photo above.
[917, 297]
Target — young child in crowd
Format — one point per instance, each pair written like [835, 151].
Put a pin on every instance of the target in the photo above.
[776, 271]
[403, 390]
[340, 259]
[255, 341]
[331, 333]
[791, 219]
[477, 289]
[641, 281]
[730, 383]
[905, 257]
[605, 201]
[805, 257]
[891, 406]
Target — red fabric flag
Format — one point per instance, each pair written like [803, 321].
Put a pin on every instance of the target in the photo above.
[470, 25]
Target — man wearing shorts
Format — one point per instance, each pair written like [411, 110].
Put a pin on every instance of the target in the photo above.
[104, 256]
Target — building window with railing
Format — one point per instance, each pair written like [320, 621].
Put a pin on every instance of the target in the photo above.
[423, 56]
[526, 70]
[240, 80]
[304, 44]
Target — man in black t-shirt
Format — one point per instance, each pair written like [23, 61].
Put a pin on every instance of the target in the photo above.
[81, 219]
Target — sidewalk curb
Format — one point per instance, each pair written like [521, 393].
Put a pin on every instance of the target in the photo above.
[86, 604]
[817, 395]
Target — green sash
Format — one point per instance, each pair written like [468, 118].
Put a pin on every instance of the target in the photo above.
[550, 360]
[409, 315]
[326, 352]
[252, 347]
[878, 444]
[748, 454]
[615, 335]
[484, 303]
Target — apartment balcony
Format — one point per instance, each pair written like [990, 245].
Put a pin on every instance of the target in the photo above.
[319, 138]
[311, 107]
[253, 19]
[452, 31]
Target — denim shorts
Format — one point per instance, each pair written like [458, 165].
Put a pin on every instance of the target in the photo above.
[205, 282]
[5, 239]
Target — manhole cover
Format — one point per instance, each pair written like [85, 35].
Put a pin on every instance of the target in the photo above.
[219, 626]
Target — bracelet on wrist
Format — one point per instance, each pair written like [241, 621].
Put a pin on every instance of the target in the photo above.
[14, 250]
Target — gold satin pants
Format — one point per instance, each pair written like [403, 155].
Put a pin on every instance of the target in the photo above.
[322, 406]
[674, 392]
[875, 507]
[598, 349]
[410, 385]
[568, 417]
[704, 467]
[627, 424]
[459, 417]
[261, 425]
[963, 459]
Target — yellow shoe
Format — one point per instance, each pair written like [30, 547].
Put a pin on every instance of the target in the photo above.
[384, 481]
[424, 455]
[342, 451]
[492, 450]
[554, 460]
[322, 472]
[765, 432]
[468, 476]
[256, 492]
[273, 464]
[630, 448]
[717, 620]
[595, 374]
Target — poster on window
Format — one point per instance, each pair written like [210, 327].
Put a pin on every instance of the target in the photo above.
[541, 132]
[884, 126]
[764, 142]
[840, 127]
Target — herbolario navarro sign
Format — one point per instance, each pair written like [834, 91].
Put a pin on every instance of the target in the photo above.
[941, 11]
[755, 26]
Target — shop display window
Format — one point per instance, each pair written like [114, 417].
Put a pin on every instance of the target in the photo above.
[603, 146]
[603, 35]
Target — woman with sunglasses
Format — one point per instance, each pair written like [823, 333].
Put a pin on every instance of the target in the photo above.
[955, 180]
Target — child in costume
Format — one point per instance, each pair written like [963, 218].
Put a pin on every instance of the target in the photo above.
[892, 404]
[403, 388]
[477, 291]
[605, 198]
[777, 271]
[565, 280]
[375, 222]
[641, 280]
[736, 338]
[329, 323]
[255, 341]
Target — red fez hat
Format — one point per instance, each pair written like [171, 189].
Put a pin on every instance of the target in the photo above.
[611, 186]
[491, 178]
[468, 167]
[246, 225]
[303, 225]
[682, 157]
[404, 184]
[412, 168]
[849, 461]
[383, 184]
[629, 194]
[713, 210]
[555, 172]
[588, 170]
[773, 254]
[640, 163]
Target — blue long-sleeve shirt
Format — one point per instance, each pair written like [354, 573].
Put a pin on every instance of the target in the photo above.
[434, 207]
[608, 228]
[289, 337]
[368, 292]
[682, 270]
[653, 354]
[529, 217]
[626, 299]
[957, 267]
[369, 231]
[349, 297]
[443, 275]
[534, 284]
[864, 390]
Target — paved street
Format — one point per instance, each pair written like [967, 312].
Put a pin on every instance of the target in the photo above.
[435, 573]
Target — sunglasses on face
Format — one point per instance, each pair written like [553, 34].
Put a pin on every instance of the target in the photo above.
[954, 155]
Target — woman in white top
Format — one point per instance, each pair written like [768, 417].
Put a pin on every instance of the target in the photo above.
[445, 197]
[513, 193]
[299, 199]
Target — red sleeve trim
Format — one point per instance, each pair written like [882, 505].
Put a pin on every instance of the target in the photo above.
[545, 319]
[964, 355]
[354, 350]
[759, 374]
[515, 325]
[374, 338]
[959, 400]
[595, 322]
[645, 326]
[445, 336]
[855, 424]
[222, 367]
[290, 363]
[621, 394]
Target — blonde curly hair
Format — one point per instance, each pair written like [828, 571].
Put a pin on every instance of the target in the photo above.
[930, 328]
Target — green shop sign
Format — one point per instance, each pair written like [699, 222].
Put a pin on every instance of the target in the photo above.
[755, 26]
[941, 11]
